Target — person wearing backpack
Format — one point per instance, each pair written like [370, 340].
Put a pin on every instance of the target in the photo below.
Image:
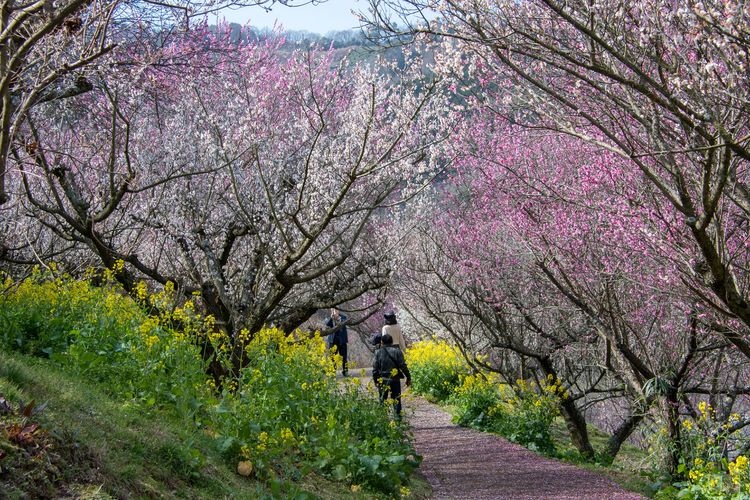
[388, 369]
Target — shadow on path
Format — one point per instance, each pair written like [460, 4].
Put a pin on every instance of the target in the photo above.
[462, 463]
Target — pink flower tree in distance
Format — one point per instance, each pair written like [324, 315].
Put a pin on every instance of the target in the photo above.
[245, 173]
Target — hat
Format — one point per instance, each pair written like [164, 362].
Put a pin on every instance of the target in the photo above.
[390, 318]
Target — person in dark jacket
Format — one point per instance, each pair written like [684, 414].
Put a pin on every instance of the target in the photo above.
[388, 369]
[339, 337]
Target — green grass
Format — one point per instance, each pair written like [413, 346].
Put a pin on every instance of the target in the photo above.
[95, 444]
[91, 446]
[630, 469]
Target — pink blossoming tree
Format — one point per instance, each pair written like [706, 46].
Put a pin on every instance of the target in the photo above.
[49, 50]
[246, 174]
[662, 85]
[552, 255]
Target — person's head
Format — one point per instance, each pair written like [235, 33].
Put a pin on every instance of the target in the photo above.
[387, 339]
[390, 318]
[334, 313]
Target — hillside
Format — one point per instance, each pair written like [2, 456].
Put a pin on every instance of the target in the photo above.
[83, 443]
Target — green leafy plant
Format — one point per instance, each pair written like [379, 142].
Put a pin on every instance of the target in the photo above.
[100, 332]
[526, 414]
[474, 398]
[436, 368]
[523, 413]
[288, 415]
[704, 459]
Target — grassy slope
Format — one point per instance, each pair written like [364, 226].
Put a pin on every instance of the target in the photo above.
[90, 446]
[97, 444]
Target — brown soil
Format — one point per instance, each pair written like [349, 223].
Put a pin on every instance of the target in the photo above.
[463, 463]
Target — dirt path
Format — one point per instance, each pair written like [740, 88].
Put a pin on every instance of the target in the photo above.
[465, 464]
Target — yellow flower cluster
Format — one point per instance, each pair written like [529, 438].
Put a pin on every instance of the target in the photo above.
[696, 472]
[554, 386]
[738, 470]
[287, 436]
[262, 442]
[110, 274]
[435, 352]
[243, 336]
[471, 384]
[297, 347]
[705, 409]
[150, 341]
[141, 291]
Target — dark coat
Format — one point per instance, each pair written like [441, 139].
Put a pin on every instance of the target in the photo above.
[339, 336]
[386, 359]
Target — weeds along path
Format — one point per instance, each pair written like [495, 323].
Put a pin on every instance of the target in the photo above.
[462, 463]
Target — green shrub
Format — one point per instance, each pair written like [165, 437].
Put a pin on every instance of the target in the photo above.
[704, 462]
[526, 412]
[101, 333]
[473, 399]
[436, 368]
[522, 413]
[288, 414]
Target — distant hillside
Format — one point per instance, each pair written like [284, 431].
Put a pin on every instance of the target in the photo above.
[351, 43]
[302, 39]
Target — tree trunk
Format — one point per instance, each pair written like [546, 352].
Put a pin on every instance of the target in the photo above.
[620, 435]
[673, 425]
[574, 420]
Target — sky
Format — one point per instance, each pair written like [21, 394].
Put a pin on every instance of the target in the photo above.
[331, 15]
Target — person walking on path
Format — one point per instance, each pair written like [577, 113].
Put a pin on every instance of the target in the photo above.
[339, 337]
[388, 369]
[393, 329]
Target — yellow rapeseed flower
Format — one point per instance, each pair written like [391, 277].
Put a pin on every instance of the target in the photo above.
[141, 290]
[151, 341]
[287, 436]
[704, 408]
[738, 469]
